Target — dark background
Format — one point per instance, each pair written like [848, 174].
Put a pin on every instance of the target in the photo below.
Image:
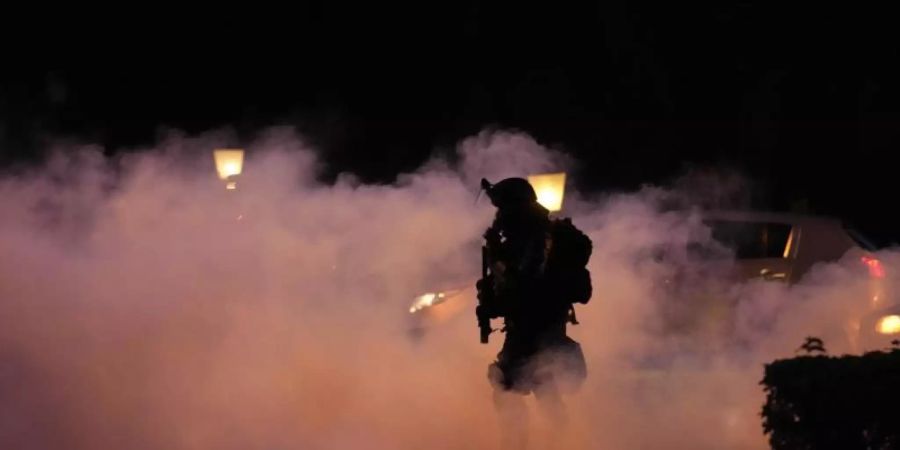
[801, 98]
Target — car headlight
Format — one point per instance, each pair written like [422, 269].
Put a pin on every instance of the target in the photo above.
[427, 300]
[888, 324]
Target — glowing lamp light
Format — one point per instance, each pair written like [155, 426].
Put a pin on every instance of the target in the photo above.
[229, 163]
[549, 188]
[888, 324]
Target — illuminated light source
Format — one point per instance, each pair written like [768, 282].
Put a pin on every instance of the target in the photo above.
[876, 270]
[787, 247]
[888, 324]
[431, 299]
[229, 163]
[550, 188]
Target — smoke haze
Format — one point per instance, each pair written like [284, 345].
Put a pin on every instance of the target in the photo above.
[143, 306]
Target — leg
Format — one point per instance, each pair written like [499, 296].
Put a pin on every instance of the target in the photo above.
[551, 404]
[512, 411]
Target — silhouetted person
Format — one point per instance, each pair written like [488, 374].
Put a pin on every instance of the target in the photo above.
[533, 271]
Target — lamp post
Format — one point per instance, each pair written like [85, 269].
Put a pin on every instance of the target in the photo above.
[550, 188]
[229, 163]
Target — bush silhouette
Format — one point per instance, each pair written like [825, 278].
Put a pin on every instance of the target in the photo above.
[827, 402]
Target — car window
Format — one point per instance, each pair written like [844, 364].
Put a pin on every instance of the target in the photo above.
[752, 240]
[860, 240]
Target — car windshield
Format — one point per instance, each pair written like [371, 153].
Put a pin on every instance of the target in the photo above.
[752, 240]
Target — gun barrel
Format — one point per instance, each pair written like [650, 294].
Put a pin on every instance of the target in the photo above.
[485, 308]
[484, 323]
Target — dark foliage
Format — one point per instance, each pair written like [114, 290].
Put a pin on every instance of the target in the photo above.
[826, 402]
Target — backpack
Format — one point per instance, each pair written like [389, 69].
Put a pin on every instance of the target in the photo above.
[570, 252]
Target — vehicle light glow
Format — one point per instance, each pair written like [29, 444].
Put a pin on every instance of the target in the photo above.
[889, 324]
[876, 270]
[426, 301]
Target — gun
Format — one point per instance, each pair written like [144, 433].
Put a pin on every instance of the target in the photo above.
[487, 307]
[485, 294]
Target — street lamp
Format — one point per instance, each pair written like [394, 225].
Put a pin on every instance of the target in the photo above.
[550, 188]
[229, 163]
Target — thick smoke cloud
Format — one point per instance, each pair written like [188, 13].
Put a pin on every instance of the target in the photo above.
[143, 306]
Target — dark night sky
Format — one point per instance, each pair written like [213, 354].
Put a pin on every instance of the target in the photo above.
[804, 99]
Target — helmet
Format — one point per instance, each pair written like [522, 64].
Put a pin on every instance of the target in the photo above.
[511, 192]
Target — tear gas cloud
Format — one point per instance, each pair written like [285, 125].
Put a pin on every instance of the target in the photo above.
[144, 306]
